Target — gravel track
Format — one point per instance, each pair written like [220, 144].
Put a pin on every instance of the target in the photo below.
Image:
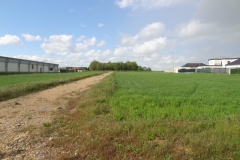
[33, 110]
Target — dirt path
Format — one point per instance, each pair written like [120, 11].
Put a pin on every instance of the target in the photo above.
[34, 110]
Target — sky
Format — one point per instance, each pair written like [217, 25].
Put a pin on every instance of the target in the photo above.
[161, 34]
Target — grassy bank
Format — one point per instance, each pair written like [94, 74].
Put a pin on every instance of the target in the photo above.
[15, 85]
[152, 116]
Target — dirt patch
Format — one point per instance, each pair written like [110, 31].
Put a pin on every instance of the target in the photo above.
[19, 115]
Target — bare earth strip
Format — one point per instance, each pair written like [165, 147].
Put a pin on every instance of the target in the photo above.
[34, 110]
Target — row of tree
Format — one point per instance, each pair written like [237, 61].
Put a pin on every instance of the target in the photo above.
[117, 66]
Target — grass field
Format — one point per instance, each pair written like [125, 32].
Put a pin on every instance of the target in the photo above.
[13, 85]
[140, 115]
[176, 96]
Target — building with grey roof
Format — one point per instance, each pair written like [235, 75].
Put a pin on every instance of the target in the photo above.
[215, 65]
[15, 65]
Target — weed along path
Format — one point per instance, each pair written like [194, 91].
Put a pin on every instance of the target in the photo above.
[20, 116]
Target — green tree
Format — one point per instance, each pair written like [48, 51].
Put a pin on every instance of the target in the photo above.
[117, 66]
[93, 65]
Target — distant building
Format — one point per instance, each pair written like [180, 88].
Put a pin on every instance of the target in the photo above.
[215, 65]
[15, 65]
[73, 69]
[188, 67]
[224, 62]
[234, 64]
[169, 71]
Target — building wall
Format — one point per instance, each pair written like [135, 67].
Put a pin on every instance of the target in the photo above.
[2, 66]
[46, 69]
[33, 68]
[13, 67]
[221, 62]
[215, 62]
[234, 66]
[40, 67]
[19, 65]
[168, 71]
[202, 67]
[52, 68]
[227, 61]
[55, 69]
[175, 70]
[24, 67]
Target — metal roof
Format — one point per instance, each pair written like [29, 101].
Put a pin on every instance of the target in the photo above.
[28, 60]
[237, 62]
[194, 64]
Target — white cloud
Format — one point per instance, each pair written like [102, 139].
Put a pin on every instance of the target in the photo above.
[62, 45]
[220, 12]
[129, 40]
[107, 52]
[100, 25]
[122, 51]
[81, 38]
[101, 43]
[147, 4]
[92, 54]
[216, 20]
[196, 31]
[10, 40]
[150, 47]
[83, 25]
[70, 60]
[196, 28]
[125, 3]
[149, 32]
[98, 55]
[29, 37]
[80, 47]
[91, 42]
[42, 58]
[58, 44]
[147, 48]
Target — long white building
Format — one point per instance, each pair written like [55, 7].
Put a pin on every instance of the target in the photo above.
[14, 65]
[215, 65]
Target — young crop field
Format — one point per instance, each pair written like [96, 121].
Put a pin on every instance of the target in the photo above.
[13, 85]
[143, 96]
[198, 115]
[150, 115]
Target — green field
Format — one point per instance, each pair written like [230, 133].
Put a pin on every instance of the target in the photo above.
[176, 96]
[197, 113]
[150, 115]
[13, 85]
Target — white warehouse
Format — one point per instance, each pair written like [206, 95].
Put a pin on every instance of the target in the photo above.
[14, 65]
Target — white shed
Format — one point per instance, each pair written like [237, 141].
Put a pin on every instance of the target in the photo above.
[15, 65]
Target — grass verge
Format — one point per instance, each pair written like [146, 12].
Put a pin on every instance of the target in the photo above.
[19, 85]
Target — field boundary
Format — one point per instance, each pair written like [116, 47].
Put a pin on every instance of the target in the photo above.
[24, 89]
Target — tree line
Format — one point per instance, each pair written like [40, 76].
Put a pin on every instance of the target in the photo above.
[117, 66]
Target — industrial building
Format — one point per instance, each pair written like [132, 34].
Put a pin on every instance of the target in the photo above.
[216, 65]
[14, 65]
